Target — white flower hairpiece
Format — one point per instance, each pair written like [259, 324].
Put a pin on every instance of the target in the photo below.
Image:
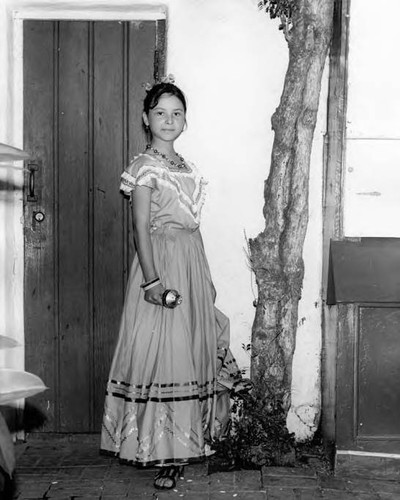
[163, 79]
[167, 78]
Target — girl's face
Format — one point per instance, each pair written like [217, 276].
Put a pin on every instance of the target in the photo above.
[167, 119]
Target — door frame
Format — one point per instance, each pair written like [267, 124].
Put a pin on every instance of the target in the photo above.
[94, 12]
[332, 204]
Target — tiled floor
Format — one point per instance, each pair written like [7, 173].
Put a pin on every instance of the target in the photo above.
[64, 470]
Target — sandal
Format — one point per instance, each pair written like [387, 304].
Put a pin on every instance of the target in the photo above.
[165, 478]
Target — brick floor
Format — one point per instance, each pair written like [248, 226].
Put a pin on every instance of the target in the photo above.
[71, 470]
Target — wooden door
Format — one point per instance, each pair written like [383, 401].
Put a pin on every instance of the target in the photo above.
[83, 89]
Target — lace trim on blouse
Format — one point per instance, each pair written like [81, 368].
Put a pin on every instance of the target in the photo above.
[147, 175]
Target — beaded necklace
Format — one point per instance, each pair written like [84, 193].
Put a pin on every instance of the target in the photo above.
[168, 160]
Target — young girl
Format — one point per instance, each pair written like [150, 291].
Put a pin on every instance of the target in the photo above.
[161, 400]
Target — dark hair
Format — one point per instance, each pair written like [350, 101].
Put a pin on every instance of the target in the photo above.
[158, 90]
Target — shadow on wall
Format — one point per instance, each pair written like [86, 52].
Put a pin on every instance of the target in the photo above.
[8, 156]
[6, 188]
[27, 419]
[9, 185]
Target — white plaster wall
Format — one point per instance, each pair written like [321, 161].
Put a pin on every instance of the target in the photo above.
[372, 174]
[230, 59]
[11, 237]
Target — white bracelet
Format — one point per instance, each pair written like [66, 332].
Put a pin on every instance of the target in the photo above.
[151, 285]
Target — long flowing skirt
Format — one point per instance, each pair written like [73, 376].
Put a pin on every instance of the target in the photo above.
[162, 390]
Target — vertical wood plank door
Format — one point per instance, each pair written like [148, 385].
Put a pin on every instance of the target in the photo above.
[83, 89]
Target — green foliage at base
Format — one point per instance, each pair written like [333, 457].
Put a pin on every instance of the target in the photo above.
[258, 435]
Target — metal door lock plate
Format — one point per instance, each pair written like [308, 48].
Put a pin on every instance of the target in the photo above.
[38, 216]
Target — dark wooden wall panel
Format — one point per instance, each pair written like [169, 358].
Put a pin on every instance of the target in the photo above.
[378, 372]
[364, 271]
[108, 242]
[73, 241]
[142, 40]
[41, 336]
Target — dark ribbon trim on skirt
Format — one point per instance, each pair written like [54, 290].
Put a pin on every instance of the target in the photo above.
[161, 400]
[172, 384]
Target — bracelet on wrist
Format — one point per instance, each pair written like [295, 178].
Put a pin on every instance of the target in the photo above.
[150, 284]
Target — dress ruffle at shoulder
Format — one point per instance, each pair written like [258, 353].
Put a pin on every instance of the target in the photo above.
[143, 170]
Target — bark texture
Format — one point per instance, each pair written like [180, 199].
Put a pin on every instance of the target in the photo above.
[276, 253]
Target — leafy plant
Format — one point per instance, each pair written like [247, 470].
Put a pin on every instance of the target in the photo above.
[282, 9]
[258, 434]
[278, 8]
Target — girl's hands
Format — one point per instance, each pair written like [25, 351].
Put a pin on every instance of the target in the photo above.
[154, 295]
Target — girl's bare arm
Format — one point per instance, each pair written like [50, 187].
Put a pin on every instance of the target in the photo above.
[141, 229]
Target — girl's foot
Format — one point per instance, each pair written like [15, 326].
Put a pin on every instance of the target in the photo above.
[166, 477]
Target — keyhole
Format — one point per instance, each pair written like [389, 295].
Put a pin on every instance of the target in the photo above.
[38, 216]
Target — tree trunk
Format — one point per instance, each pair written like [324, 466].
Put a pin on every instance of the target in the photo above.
[276, 253]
